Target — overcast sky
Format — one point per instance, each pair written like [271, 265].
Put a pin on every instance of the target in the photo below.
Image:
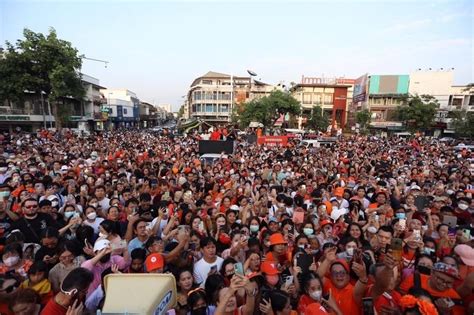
[158, 49]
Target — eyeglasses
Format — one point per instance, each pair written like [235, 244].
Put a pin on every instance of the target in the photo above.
[339, 273]
[31, 207]
[444, 282]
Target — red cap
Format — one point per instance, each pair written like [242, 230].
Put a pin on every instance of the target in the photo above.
[154, 261]
[277, 238]
[269, 268]
[339, 192]
[343, 263]
[325, 222]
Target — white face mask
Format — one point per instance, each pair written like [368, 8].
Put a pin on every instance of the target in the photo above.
[92, 216]
[11, 261]
[463, 206]
[316, 295]
[103, 235]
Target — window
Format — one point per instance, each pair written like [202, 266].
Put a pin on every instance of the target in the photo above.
[471, 100]
[306, 98]
[327, 98]
[209, 108]
[197, 95]
[125, 111]
[317, 99]
[457, 101]
[224, 108]
[193, 108]
[206, 81]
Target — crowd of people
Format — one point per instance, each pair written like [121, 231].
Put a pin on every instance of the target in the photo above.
[365, 226]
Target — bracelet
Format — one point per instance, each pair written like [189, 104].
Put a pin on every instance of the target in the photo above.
[364, 282]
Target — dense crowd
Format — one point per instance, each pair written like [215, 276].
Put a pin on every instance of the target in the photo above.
[365, 226]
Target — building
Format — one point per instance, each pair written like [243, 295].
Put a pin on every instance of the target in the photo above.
[122, 107]
[333, 95]
[149, 115]
[165, 107]
[34, 111]
[385, 93]
[212, 97]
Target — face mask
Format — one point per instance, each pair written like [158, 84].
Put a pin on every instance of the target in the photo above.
[4, 194]
[252, 174]
[463, 206]
[11, 261]
[308, 231]
[450, 191]
[3, 169]
[103, 235]
[281, 205]
[400, 216]
[68, 214]
[350, 251]
[94, 205]
[316, 295]
[199, 311]
[424, 270]
[370, 195]
[254, 228]
[314, 251]
[301, 246]
[428, 251]
[92, 216]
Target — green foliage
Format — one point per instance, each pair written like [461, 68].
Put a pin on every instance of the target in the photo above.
[45, 63]
[463, 123]
[319, 119]
[181, 111]
[418, 112]
[363, 119]
[268, 109]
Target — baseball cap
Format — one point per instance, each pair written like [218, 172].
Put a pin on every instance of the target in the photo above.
[234, 208]
[101, 244]
[446, 269]
[343, 263]
[415, 187]
[339, 192]
[276, 239]
[154, 261]
[269, 268]
[325, 222]
[466, 253]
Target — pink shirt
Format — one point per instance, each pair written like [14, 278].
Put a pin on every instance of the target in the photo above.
[98, 268]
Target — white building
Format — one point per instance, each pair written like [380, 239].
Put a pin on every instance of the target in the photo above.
[437, 83]
[123, 107]
[166, 107]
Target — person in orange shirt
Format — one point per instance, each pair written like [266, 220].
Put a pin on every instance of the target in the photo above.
[440, 285]
[347, 296]
[312, 297]
[381, 206]
[278, 250]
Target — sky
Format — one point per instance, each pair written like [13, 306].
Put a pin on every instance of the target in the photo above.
[157, 48]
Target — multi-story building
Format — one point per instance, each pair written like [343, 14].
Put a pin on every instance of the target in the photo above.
[333, 95]
[123, 108]
[385, 93]
[149, 115]
[35, 112]
[165, 107]
[212, 97]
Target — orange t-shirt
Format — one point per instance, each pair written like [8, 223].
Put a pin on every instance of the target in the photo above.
[344, 298]
[451, 293]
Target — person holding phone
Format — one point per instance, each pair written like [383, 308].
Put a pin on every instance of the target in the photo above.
[209, 263]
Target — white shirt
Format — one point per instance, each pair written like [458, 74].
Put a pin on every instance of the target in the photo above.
[104, 203]
[202, 268]
[95, 224]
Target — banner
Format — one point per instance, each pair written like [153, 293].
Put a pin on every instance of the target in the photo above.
[209, 146]
[360, 89]
[281, 141]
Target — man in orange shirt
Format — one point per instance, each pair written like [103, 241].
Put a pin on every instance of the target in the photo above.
[440, 285]
[347, 296]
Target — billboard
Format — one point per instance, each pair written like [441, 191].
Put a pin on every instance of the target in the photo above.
[389, 84]
[273, 141]
[360, 89]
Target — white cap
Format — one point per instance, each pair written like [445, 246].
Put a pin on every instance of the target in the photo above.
[372, 229]
[101, 244]
[234, 208]
[415, 187]
[337, 213]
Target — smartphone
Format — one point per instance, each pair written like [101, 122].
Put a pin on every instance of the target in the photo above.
[368, 306]
[466, 233]
[450, 220]
[239, 269]
[291, 230]
[289, 281]
[417, 234]
[403, 223]
[304, 261]
[397, 247]
[421, 202]
[201, 226]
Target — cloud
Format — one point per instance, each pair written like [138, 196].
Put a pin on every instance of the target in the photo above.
[408, 25]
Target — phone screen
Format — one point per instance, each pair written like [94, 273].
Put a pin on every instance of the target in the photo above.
[239, 269]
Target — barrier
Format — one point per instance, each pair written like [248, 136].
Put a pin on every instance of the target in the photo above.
[211, 146]
[273, 141]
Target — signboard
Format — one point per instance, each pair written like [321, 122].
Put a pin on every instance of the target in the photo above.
[281, 141]
[329, 81]
[360, 89]
[211, 146]
[15, 118]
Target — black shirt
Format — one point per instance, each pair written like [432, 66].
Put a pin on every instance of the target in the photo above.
[32, 229]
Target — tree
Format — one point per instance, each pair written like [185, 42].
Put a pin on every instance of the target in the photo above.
[363, 119]
[181, 111]
[319, 119]
[463, 123]
[268, 109]
[418, 112]
[47, 65]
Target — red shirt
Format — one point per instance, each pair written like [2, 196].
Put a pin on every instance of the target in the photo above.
[53, 308]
